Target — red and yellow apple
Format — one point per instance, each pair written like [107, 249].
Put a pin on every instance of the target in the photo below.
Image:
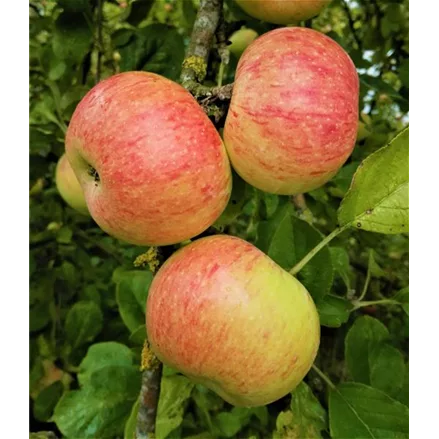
[152, 166]
[282, 11]
[224, 314]
[68, 186]
[292, 121]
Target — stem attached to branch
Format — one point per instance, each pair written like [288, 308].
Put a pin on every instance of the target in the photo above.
[208, 23]
[317, 248]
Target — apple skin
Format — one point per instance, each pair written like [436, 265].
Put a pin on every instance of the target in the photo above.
[240, 40]
[68, 186]
[164, 175]
[292, 121]
[224, 314]
[282, 11]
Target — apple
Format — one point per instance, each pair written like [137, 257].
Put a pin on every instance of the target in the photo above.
[282, 11]
[227, 316]
[153, 168]
[292, 121]
[240, 40]
[68, 186]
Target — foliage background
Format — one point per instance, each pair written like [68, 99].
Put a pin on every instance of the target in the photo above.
[87, 299]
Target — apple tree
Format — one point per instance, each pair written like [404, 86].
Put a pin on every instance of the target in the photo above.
[94, 373]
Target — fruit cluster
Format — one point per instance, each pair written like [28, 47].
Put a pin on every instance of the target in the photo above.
[153, 170]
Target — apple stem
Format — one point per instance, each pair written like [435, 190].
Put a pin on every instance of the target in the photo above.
[324, 377]
[317, 248]
[361, 304]
[99, 42]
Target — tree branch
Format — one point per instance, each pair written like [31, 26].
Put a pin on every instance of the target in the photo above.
[351, 24]
[208, 23]
[149, 398]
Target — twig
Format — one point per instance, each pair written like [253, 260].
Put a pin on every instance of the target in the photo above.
[351, 24]
[149, 398]
[99, 40]
[208, 23]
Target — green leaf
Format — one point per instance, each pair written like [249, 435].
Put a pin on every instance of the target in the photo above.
[364, 336]
[240, 194]
[83, 323]
[156, 48]
[287, 239]
[378, 85]
[403, 298]
[130, 426]
[387, 369]
[357, 411]
[138, 336]
[378, 199]
[306, 417]
[333, 311]
[64, 235]
[374, 268]
[72, 37]
[228, 424]
[131, 293]
[174, 392]
[46, 401]
[39, 316]
[101, 408]
[101, 355]
[341, 264]
[139, 11]
[75, 5]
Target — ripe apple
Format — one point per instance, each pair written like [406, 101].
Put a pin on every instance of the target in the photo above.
[240, 40]
[282, 11]
[153, 167]
[224, 314]
[68, 186]
[293, 117]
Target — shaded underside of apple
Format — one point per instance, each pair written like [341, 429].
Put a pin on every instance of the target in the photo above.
[293, 116]
[225, 315]
[153, 167]
[282, 11]
[68, 186]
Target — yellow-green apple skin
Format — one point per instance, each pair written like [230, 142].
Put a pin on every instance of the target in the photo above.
[68, 186]
[153, 168]
[240, 40]
[282, 11]
[227, 316]
[293, 116]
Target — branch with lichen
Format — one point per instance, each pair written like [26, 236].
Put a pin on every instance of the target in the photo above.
[149, 394]
[209, 24]
[150, 366]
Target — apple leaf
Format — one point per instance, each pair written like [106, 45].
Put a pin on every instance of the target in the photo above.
[101, 355]
[131, 293]
[156, 48]
[306, 417]
[357, 411]
[378, 199]
[84, 322]
[175, 390]
[72, 38]
[287, 239]
[387, 369]
[102, 406]
[228, 424]
[342, 267]
[364, 336]
[333, 311]
[47, 400]
[403, 298]
[130, 426]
